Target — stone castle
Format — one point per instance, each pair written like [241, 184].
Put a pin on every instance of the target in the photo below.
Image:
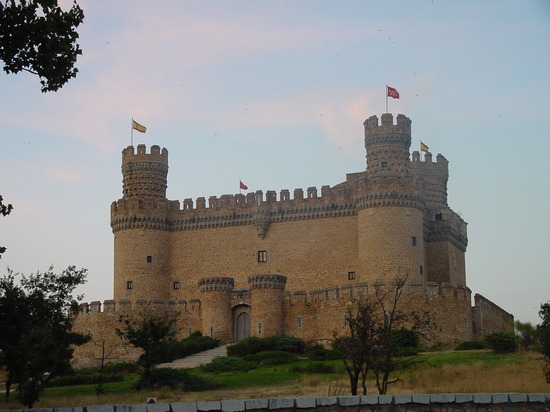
[260, 264]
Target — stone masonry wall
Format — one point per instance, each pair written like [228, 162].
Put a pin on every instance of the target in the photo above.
[490, 318]
[455, 402]
[321, 314]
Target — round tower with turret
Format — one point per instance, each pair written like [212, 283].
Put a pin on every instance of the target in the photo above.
[140, 226]
[217, 321]
[391, 210]
[266, 297]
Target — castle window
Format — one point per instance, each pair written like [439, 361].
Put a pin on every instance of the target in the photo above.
[439, 216]
[259, 328]
[351, 275]
[189, 331]
[176, 285]
[299, 319]
[149, 259]
[262, 256]
[129, 285]
[421, 269]
[413, 240]
[211, 331]
[384, 165]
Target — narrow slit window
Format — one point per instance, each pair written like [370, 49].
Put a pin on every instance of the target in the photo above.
[129, 285]
[413, 240]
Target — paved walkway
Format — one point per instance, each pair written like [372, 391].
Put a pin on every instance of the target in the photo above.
[197, 359]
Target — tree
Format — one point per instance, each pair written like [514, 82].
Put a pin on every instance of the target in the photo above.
[151, 332]
[371, 343]
[527, 335]
[38, 37]
[543, 330]
[4, 211]
[36, 318]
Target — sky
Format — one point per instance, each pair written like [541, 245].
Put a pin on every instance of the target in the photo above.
[275, 93]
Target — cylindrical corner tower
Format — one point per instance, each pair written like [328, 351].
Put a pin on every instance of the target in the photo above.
[390, 216]
[140, 227]
[217, 319]
[266, 301]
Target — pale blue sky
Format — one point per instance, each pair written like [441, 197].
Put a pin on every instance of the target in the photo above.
[275, 93]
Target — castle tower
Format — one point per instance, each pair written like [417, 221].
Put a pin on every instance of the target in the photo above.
[266, 301]
[217, 320]
[390, 216]
[140, 227]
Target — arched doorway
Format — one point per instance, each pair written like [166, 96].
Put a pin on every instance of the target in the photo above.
[241, 322]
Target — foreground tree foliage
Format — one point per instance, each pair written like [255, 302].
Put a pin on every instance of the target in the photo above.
[38, 37]
[149, 331]
[527, 335]
[36, 318]
[543, 330]
[375, 331]
[4, 211]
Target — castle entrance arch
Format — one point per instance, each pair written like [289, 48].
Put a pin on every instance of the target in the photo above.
[241, 322]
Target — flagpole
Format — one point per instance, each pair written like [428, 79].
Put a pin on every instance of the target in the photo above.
[132, 133]
[386, 98]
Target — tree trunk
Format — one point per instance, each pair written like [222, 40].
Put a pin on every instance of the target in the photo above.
[8, 389]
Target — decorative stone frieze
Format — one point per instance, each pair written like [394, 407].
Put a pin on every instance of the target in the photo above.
[216, 283]
[267, 282]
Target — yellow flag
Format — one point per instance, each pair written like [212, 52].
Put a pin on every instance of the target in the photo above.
[138, 127]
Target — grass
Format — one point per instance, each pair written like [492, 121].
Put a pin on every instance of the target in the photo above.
[444, 372]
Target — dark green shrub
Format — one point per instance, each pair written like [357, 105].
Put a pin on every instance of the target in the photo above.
[316, 367]
[501, 342]
[252, 345]
[286, 343]
[405, 338]
[122, 367]
[172, 378]
[248, 346]
[319, 353]
[271, 357]
[471, 345]
[74, 380]
[195, 343]
[406, 351]
[229, 364]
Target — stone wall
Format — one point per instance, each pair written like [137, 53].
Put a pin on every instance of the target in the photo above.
[489, 318]
[463, 402]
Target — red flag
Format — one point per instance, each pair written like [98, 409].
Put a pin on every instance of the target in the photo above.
[392, 92]
[243, 186]
[424, 147]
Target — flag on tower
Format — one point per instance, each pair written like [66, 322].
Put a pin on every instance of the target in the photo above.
[138, 127]
[391, 92]
[424, 147]
[243, 186]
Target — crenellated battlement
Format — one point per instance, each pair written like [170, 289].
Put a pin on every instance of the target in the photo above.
[386, 125]
[355, 291]
[130, 155]
[128, 306]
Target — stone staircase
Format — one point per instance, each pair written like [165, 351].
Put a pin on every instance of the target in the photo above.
[196, 359]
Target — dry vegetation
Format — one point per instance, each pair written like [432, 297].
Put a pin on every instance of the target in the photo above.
[509, 373]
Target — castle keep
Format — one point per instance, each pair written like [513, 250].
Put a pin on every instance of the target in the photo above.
[260, 264]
